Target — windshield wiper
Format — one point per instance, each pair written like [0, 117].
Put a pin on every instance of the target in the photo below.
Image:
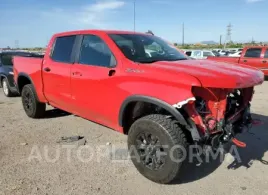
[177, 59]
[148, 61]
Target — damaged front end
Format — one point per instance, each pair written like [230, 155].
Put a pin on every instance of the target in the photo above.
[218, 114]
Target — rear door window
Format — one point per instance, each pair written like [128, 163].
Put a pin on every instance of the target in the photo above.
[62, 50]
[253, 53]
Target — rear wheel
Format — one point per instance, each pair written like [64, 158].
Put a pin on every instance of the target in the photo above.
[157, 147]
[6, 88]
[31, 105]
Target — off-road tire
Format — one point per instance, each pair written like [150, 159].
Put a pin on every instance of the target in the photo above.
[169, 133]
[6, 89]
[32, 107]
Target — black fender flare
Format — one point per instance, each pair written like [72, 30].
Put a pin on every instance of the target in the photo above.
[24, 75]
[151, 100]
[175, 113]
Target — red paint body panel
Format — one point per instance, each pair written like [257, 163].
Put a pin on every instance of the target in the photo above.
[260, 63]
[33, 68]
[90, 92]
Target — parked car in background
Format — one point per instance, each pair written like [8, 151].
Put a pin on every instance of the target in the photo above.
[160, 102]
[235, 50]
[199, 54]
[256, 56]
[223, 52]
[6, 70]
[236, 54]
[216, 53]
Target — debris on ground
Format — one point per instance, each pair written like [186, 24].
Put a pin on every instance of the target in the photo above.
[69, 139]
[80, 140]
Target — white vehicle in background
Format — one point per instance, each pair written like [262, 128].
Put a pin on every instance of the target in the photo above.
[235, 50]
[222, 52]
[199, 54]
[236, 54]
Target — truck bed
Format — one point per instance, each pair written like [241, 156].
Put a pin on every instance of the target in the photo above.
[31, 66]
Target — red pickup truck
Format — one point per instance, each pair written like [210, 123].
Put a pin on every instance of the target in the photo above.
[256, 56]
[141, 86]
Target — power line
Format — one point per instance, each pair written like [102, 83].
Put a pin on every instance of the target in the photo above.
[228, 34]
[134, 7]
[183, 34]
[16, 44]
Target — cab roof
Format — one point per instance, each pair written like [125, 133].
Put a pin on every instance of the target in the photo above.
[97, 31]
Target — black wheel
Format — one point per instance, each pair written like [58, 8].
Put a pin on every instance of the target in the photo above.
[158, 147]
[31, 105]
[6, 88]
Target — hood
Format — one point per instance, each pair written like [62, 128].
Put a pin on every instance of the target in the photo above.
[215, 74]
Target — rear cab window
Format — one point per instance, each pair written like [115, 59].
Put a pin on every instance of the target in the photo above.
[63, 48]
[253, 53]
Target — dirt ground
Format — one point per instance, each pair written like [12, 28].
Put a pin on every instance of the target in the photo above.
[32, 162]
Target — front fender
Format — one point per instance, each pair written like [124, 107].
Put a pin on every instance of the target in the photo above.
[140, 98]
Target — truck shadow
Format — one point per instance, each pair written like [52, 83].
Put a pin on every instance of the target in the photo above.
[56, 113]
[257, 145]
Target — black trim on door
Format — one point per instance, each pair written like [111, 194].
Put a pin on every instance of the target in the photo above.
[77, 47]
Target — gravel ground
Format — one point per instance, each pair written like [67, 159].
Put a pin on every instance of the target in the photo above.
[32, 162]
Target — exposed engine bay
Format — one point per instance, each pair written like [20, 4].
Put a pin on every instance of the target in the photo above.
[219, 114]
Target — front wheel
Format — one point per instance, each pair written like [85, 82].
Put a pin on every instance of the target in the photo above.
[31, 105]
[158, 147]
[6, 88]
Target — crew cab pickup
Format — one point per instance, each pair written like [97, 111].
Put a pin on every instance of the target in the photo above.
[163, 101]
[256, 56]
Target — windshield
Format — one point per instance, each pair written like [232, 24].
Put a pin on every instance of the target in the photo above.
[146, 48]
[6, 58]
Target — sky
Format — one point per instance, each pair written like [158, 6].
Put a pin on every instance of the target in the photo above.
[30, 23]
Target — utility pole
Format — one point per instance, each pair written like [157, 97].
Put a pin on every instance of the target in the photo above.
[134, 4]
[228, 34]
[183, 34]
[220, 39]
[252, 41]
[16, 44]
